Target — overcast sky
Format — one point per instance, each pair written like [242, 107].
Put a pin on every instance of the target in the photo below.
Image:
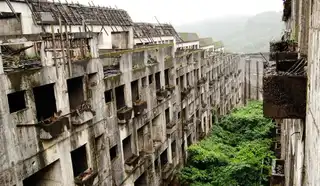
[180, 12]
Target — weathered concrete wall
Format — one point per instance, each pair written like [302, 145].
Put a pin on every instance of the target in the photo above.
[10, 26]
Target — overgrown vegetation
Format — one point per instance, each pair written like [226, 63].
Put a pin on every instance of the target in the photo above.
[237, 153]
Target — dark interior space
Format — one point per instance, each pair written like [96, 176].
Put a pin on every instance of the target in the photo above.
[113, 152]
[140, 138]
[189, 142]
[181, 83]
[141, 181]
[120, 97]
[126, 144]
[174, 148]
[150, 79]
[135, 90]
[75, 92]
[164, 158]
[158, 85]
[144, 82]
[108, 96]
[166, 76]
[16, 101]
[39, 178]
[156, 165]
[45, 101]
[167, 116]
[79, 160]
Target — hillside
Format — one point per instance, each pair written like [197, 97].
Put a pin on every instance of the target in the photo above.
[240, 33]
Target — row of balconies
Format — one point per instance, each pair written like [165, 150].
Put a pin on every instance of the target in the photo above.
[285, 83]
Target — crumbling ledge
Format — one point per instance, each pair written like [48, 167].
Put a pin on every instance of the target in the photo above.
[284, 95]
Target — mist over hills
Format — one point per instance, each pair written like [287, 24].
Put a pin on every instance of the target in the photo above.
[240, 33]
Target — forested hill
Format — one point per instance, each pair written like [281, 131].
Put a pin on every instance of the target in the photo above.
[240, 33]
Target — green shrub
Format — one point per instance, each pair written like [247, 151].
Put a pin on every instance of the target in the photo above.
[237, 152]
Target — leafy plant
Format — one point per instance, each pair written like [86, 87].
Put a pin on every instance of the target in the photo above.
[237, 153]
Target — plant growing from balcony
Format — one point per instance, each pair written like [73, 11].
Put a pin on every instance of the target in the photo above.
[237, 153]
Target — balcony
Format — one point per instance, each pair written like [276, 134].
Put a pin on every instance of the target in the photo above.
[139, 106]
[202, 81]
[188, 124]
[284, 96]
[167, 171]
[277, 177]
[162, 94]
[124, 114]
[204, 105]
[171, 127]
[131, 163]
[52, 127]
[185, 92]
[170, 88]
[86, 178]
[82, 114]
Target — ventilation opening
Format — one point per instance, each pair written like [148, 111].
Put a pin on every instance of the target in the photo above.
[48, 176]
[113, 152]
[45, 101]
[108, 96]
[75, 91]
[120, 97]
[16, 101]
[135, 90]
[126, 144]
[164, 158]
[79, 160]
[174, 148]
[141, 181]
[158, 84]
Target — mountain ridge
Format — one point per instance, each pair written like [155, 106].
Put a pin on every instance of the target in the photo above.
[241, 33]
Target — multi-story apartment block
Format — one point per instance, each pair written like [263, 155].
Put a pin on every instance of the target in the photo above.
[89, 97]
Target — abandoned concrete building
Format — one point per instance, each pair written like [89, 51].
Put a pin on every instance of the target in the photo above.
[89, 97]
[291, 95]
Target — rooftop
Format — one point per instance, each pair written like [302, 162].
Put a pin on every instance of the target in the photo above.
[206, 41]
[187, 37]
[45, 12]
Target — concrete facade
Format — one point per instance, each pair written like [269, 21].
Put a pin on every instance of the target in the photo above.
[90, 105]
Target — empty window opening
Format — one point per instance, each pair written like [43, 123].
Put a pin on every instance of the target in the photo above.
[150, 79]
[135, 90]
[164, 158]
[179, 115]
[166, 76]
[156, 165]
[113, 152]
[184, 114]
[79, 160]
[158, 84]
[119, 40]
[45, 101]
[141, 138]
[181, 82]
[177, 81]
[189, 140]
[49, 176]
[188, 79]
[144, 82]
[127, 151]
[174, 148]
[141, 181]
[16, 101]
[120, 97]
[167, 116]
[75, 92]
[108, 96]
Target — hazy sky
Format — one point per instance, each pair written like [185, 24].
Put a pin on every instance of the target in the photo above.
[183, 11]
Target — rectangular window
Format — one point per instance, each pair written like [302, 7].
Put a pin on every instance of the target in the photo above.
[108, 96]
[45, 101]
[174, 149]
[150, 79]
[79, 160]
[120, 97]
[16, 101]
[75, 92]
[158, 84]
[135, 90]
[113, 152]
[126, 144]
